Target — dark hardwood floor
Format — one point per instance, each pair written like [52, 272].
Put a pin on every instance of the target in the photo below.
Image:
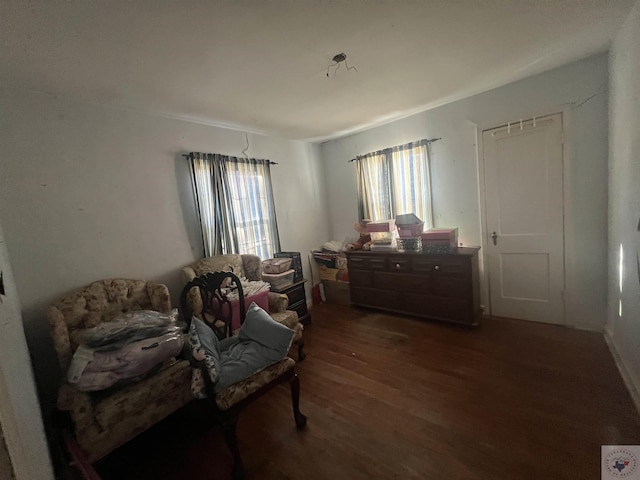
[390, 397]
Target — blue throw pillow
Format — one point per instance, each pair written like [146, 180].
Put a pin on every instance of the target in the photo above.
[204, 346]
[259, 327]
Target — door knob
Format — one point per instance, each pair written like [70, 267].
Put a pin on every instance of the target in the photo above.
[494, 237]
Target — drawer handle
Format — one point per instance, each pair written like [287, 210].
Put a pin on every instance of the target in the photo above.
[437, 267]
[398, 265]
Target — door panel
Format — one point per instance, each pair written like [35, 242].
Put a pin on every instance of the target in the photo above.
[524, 207]
[525, 276]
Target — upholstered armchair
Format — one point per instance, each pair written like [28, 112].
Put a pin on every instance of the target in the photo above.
[250, 267]
[102, 421]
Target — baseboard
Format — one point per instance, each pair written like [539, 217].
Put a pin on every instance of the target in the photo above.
[624, 373]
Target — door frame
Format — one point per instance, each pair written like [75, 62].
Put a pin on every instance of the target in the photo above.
[567, 195]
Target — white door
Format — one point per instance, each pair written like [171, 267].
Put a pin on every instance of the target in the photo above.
[524, 219]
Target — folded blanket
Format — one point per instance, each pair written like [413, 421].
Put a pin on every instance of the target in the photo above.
[96, 370]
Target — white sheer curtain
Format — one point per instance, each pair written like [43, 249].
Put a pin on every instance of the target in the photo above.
[374, 187]
[395, 181]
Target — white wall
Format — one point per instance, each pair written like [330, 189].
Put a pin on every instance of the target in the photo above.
[455, 168]
[89, 192]
[20, 419]
[624, 196]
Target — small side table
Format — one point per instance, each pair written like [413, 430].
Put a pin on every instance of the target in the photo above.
[297, 300]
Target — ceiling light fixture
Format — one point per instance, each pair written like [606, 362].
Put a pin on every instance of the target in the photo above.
[337, 60]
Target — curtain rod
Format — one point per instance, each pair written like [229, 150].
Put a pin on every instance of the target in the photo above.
[430, 140]
[188, 155]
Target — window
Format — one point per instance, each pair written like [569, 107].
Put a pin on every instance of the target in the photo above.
[235, 205]
[395, 181]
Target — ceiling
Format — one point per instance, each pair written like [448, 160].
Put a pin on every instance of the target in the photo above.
[261, 65]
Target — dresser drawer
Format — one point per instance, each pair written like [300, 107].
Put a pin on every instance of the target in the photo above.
[437, 307]
[373, 297]
[378, 263]
[441, 265]
[399, 264]
[363, 278]
[367, 263]
[357, 263]
[300, 308]
[296, 294]
[401, 282]
[450, 286]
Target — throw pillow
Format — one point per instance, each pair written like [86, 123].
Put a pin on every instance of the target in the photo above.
[259, 327]
[204, 346]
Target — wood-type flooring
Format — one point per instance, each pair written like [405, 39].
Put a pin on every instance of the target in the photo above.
[391, 397]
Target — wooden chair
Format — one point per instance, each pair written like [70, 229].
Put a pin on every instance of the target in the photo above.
[249, 266]
[228, 402]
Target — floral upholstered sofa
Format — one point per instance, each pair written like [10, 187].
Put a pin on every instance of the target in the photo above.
[102, 421]
[248, 266]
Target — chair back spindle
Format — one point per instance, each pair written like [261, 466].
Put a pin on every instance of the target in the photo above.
[217, 309]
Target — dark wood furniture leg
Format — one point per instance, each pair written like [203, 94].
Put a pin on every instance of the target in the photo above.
[301, 420]
[301, 354]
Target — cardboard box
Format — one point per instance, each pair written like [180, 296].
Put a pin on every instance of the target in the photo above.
[336, 292]
[327, 273]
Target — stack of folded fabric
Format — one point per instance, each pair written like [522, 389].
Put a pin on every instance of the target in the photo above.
[126, 349]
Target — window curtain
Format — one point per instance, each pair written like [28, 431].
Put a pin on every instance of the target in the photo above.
[234, 199]
[394, 181]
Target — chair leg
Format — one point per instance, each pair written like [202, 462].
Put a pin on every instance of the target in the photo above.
[301, 354]
[229, 423]
[300, 419]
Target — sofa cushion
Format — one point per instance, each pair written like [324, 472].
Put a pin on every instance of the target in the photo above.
[231, 395]
[204, 346]
[259, 327]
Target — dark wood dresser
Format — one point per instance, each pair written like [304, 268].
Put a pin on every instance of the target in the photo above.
[436, 286]
[297, 300]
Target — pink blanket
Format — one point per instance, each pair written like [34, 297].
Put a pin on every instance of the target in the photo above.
[261, 299]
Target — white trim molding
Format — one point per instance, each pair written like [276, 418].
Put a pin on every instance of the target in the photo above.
[633, 389]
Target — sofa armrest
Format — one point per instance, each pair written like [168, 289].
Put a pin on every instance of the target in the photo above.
[60, 336]
[278, 302]
[188, 274]
[78, 403]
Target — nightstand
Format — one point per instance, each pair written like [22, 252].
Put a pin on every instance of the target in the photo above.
[297, 300]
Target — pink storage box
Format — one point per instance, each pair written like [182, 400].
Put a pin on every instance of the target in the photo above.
[384, 226]
[440, 236]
